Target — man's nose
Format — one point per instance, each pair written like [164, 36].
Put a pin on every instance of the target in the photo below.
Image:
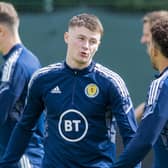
[143, 40]
[86, 44]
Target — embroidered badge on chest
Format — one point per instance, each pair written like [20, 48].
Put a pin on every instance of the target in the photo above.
[91, 90]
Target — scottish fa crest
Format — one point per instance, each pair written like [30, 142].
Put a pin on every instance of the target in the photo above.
[91, 90]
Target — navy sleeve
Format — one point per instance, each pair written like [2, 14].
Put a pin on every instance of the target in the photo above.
[122, 108]
[11, 86]
[17, 145]
[24, 128]
[147, 133]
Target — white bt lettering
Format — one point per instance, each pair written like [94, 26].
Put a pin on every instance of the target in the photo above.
[72, 125]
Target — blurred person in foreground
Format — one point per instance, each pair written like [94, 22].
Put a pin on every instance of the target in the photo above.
[153, 128]
[19, 64]
[82, 98]
[148, 20]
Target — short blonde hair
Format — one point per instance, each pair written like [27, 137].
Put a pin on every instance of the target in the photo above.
[151, 17]
[89, 21]
[8, 15]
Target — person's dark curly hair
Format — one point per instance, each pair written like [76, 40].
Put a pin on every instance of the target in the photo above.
[159, 32]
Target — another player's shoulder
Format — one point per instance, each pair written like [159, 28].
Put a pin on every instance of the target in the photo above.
[157, 85]
[10, 64]
[159, 82]
[13, 57]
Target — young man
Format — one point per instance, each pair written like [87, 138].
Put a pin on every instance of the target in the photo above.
[81, 98]
[19, 64]
[148, 20]
[153, 129]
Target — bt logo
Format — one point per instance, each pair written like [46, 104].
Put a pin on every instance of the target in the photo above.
[72, 125]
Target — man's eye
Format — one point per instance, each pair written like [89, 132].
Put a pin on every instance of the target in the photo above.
[93, 42]
[81, 38]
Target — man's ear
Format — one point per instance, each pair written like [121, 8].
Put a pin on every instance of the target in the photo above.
[99, 44]
[155, 51]
[2, 30]
[66, 36]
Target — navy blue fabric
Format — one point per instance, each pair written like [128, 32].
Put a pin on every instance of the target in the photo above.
[82, 107]
[19, 65]
[153, 129]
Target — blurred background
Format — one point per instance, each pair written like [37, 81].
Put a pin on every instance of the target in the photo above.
[43, 23]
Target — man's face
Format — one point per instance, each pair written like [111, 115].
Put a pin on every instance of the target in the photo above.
[146, 35]
[152, 50]
[82, 46]
[147, 40]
